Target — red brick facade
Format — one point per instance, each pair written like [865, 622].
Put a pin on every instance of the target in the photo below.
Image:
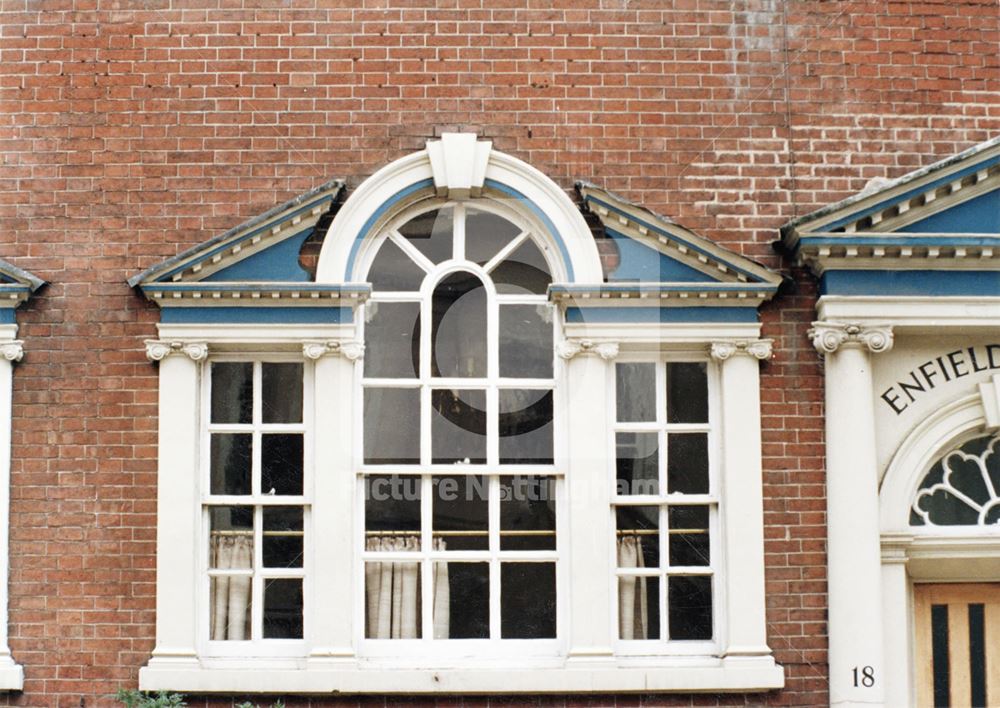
[133, 129]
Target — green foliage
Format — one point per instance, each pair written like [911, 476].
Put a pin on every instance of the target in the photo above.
[137, 699]
[248, 704]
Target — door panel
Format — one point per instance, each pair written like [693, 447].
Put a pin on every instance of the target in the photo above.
[957, 628]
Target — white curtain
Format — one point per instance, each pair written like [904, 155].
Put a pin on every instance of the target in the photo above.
[392, 591]
[230, 601]
[633, 605]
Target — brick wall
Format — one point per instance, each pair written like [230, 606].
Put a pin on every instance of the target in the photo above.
[132, 129]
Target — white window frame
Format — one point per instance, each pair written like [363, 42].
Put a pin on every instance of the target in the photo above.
[459, 168]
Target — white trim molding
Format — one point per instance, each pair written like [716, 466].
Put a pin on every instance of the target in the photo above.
[11, 673]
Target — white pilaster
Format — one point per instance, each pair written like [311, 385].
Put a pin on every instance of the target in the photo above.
[591, 619]
[853, 546]
[11, 674]
[333, 513]
[743, 512]
[177, 503]
[897, 612]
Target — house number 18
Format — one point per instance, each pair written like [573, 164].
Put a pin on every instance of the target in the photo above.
[865, 677]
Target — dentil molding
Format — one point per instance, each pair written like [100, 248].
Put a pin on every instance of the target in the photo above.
[569, 348]
[760, 349]
[828, 337]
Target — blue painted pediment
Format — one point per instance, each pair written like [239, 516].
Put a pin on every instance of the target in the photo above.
[935, 230]
[16, 286]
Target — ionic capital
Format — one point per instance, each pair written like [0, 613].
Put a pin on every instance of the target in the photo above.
[760, 349]
[157, 349]
[569, 348]
[350, 349]
[12, 351]
[828, 337]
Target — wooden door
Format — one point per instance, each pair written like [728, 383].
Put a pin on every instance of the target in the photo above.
[958, 644]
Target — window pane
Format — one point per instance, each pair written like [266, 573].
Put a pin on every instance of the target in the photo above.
[231, 534]
[637, 463]
[392, 426]
[687, 463]
[458, 329]
[283, 608]
[431, 233]
[528, 600]
[392, 503]
[282, 542]
[392, 340]
[281, 464]
[460, 506]
[527, 513]
[486, 234]
[392, 598]
[393, 270]
[231, 463]
[232, 392]
[525, 424]
[461, 600]
[689, 538]
[230, 607]
[689, 600]
[522, 272]
[687, 393]
[638, 607]
[458, 426]
[638, 536]
[282, 393]
[636, 392]
[525, 341]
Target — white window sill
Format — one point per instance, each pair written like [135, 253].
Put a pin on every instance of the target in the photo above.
[743, 674]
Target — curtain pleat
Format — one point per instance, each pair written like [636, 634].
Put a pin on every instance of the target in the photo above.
[230, 602]
[392, 591]
[633, 604]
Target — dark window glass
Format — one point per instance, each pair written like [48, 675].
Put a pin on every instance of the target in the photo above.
[458, 426]
[525, 341]
[458, 331]
[231, 463]
[431, 233]
[689, 538]
[393, 270]
[525, 423]
[281, 464]
[689, 599]
[232, 392]
[282, 543]
[486, 234]
[461, 508]
[523, 272]
[527, 513]
[468, 616]
[687, 463]
[392, 426]
[687, 393]
[283, 608]
[636, 392]
[637, 463]
[392, 503]
[638, 536]
[231, 537]
[392, 340]
[281, 399]
[527, 600]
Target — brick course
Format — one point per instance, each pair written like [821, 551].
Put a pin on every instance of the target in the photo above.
[133, 129]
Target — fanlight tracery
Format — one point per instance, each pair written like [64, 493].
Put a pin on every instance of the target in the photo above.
[961, 488]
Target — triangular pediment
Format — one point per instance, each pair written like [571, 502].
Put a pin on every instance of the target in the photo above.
[16, 285]
[943, 216]
[645, 251]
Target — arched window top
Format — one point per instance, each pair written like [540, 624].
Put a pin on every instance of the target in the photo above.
[962, 487]
[495, 189]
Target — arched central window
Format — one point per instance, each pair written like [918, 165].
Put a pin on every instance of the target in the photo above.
[962, 488]
[459, 447]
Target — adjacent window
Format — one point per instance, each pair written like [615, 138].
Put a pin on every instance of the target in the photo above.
[665, 503]
[256, 502]
[459, 475]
